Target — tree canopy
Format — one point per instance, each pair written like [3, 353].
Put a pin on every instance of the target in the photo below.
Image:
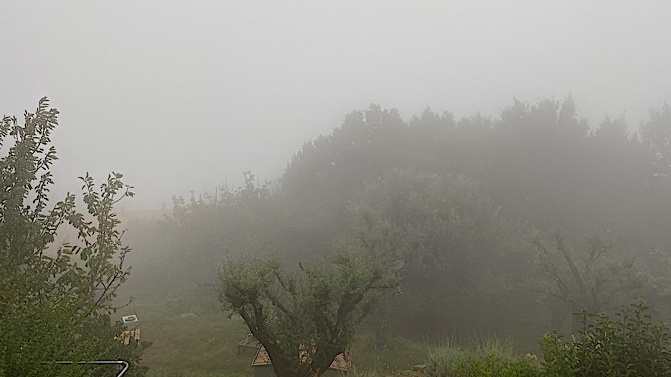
[56, 299]
[305, 319]
[453, 199]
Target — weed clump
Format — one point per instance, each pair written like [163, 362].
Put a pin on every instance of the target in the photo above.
[628, 345]
[487, 357]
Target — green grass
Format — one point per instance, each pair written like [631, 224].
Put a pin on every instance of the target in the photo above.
[399, 354]
[443, 360]
[205, 343]
[479, 355]
[192, 336]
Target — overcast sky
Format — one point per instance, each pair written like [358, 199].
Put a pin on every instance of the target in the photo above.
[186, 95]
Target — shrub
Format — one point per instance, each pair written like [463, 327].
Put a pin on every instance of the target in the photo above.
[444, 360]
[488, 357]
[629, 345]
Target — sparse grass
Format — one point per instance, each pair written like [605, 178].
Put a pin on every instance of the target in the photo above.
[501, 348]
[398, 354]
[449, 357]
[444, 359]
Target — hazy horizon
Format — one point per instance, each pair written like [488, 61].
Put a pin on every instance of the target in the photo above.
[185, 96]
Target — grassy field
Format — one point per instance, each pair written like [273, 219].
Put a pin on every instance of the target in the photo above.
[192, 336]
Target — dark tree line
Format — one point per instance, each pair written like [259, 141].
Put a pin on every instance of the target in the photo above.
[454, 200]
[540, 163]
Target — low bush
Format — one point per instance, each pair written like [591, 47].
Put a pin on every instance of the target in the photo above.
[444, 360]
[487, 357]
[629, 345]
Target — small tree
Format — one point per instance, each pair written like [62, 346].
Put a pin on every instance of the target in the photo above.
[305, 319]
[591, 278]
[56, 300]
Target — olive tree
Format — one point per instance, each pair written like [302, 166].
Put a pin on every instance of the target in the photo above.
[306, 318]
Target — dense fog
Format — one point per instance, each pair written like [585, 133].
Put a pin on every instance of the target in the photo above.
[486, 213]
[182, 96]
[504, 164]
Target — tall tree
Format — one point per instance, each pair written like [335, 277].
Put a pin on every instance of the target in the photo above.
[56, 300]
[447, 236]
[593, 277]
[332, 168]
[656, 135]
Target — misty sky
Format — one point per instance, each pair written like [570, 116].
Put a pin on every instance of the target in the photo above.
[187, 95]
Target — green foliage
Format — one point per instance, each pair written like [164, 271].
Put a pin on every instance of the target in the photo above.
[537, 162]
[593, 277]
[488, 357]
[55, 300]
[190, 341]
[628, 345]
[250, 220]
[399, 354]
[313, 312]
[332, 169]
[447, 236]
[208, 225]
[493, 366]
[444, 360]
[656, 135]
